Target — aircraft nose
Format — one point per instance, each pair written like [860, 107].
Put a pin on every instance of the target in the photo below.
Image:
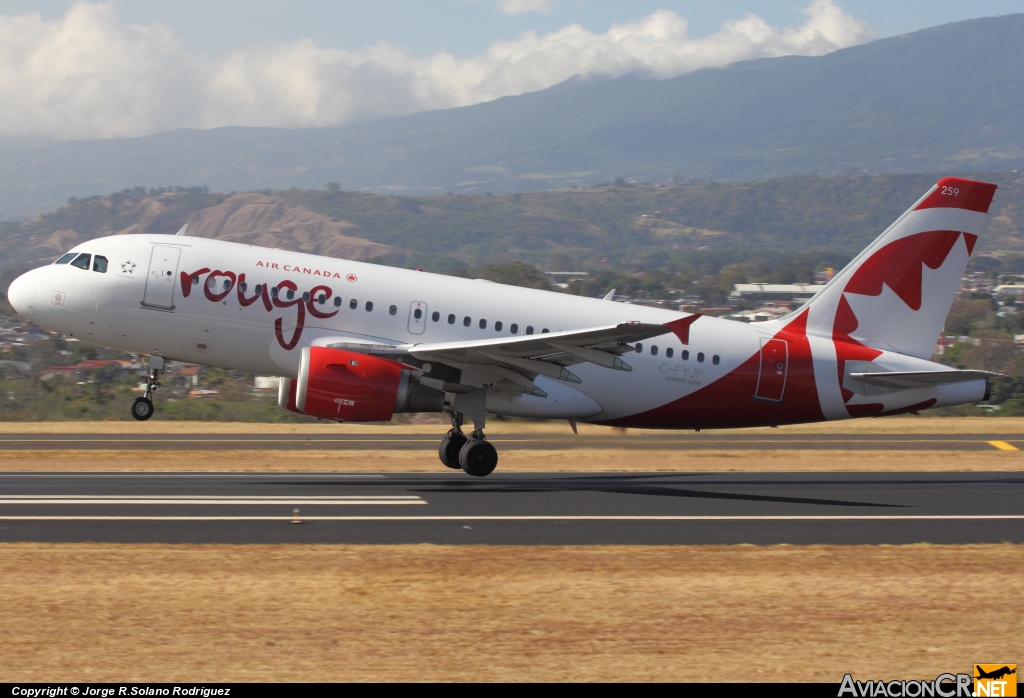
[22, 295]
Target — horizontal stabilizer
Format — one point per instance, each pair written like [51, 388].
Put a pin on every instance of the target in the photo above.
[896, 380]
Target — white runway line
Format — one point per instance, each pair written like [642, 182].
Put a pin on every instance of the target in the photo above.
[211, 500]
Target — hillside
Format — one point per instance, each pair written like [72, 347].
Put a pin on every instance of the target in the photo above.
[619, 228]
[944, 99]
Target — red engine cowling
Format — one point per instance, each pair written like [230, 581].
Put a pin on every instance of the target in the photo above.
[343, 385]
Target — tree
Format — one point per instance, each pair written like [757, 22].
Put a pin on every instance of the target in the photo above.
[515, 274]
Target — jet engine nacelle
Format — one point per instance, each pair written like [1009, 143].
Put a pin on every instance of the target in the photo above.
[350, 387]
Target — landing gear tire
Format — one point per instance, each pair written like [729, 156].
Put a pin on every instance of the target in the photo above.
[478, 458]
[451, 446]
[142, 408]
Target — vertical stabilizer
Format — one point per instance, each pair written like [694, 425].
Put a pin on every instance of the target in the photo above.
[895, 295]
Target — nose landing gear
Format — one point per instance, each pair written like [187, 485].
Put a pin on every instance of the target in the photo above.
[142, 408]
[473, 454]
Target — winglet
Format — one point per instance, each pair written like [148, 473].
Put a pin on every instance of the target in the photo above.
[609, 296]
[183, 229]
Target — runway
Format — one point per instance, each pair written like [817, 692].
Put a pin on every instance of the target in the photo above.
[514, 508]
[514, 442]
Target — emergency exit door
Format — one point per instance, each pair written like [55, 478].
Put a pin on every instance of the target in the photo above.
[160, 281]
[771, 376]
[417, 317]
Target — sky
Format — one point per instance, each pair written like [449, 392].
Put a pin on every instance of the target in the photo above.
[82, 69]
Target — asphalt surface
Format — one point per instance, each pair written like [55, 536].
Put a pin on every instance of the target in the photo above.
[514, 508]
[513, 442]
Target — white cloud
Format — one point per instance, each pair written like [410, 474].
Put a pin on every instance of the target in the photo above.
[514, 7]
[90, 75]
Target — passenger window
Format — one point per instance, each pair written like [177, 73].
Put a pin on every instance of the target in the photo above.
[497, 326]
[435, 316]
[99, 264]
[82, 261]
[685, 355]
[529, 329]
[418, 313]
[291, 294]
[700, 357]
[654, 350]
[514, 328]
[483, 324]
[544, 331]
[258, 289]
[451, 319]
[466, 321]
[639, 348]
[353, 304]
[195, 280]
[393, 310]
[227, 284]
[275, 291]
[243, 287]
[66, 258]
[715, 359]
[668, 353]
[322, 299]
[305, 296]
[337, 302]
[369, 306]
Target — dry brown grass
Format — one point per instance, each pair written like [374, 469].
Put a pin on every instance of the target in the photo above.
[573, 460]
[887, 425]
[619, 613]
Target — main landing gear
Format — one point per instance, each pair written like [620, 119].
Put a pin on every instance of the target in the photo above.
[473, 454]
[142, 408]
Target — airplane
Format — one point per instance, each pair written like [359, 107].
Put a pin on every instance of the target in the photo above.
[995, 674]
[357, 342]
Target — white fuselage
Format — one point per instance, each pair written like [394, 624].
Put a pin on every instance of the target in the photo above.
[210, 302]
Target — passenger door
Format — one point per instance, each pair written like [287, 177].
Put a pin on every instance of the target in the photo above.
[771, 377]
[160, 282]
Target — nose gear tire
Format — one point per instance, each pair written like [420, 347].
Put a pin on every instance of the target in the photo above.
[142, 408]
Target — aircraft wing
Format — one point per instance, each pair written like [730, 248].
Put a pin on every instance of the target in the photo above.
[514, 362]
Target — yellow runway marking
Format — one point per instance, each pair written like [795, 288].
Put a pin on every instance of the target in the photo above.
[1003, 446]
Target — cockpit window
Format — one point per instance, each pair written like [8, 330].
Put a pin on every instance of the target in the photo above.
[82, 261]
[99, 264]
[66, 258]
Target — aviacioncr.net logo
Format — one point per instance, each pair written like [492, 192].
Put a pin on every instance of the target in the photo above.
[943, 686]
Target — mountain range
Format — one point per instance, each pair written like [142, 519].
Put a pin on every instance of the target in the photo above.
[945, 99]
